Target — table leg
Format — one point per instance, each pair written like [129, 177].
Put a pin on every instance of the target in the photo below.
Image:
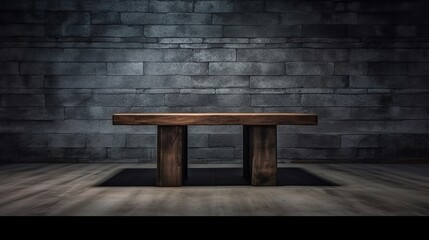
[172, 153]
[260, 154]
[185, 152]
[246, 154]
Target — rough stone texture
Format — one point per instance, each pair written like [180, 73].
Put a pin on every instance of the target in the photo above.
[67, 66]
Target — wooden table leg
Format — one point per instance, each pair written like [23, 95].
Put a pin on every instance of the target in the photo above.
[246, 154]
[185, 152]
[260, 154]
[172, 154]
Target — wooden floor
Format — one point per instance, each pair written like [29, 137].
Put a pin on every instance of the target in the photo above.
[71, 189]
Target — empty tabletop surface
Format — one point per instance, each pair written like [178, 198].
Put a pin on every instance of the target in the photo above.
[214, 119]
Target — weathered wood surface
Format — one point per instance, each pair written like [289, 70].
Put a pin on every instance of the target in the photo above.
[172, 148]
[260, 153]
[214, 119]
[71, 189]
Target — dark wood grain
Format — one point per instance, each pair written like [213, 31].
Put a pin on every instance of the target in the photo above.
[214, 119]
[262, 154]
[172, 144]
[246, 153]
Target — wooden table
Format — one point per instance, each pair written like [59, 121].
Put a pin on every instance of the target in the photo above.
[259, 140]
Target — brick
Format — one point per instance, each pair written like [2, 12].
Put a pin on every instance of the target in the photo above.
[31, 54]
[302, 68]
[31, 113]
[339, 18]
[214, 55]
[127, 100]
[22, 30]
[418, 68]
[360, 141]
[314, 153]
[68, 99]
[22, 81]
[55, 126]
[421, 141]
[166, 82]
[318, 30]
[387, 68]
[106, 18]
[406, 31]
[63, 154]
[343, 100]
[23, 140]
[397, 6]
[206, 100]
[96, 82]
[376, 18]
[16, 100]
[275, 55]
[16, 5]
[100, 55]
[413, 126]
[219, 81]
[124, 68]
[291, 18]
[276, 100]
[140, 140]
[318, 141]
[105, 5]
[170, 6]
[27, 155]
[116, 31]
[372, 31]
[68, 18]
[298, 81]
[246, 19]
[197, 140]
[93, 112]
[142, 154]
[9, 68]
[299, 6]
[180, 40]
[66, 140]
[31, 17]
[389, 55]
[397, 140]
[287, 140]
[332, 55]
[176, 68]
[182, 31]
[412, 100]
[370, 153]
[388, 82]
[408, 112]
[225, 140]
[214, 152]
[244, 68]
[410, 18]
[105, 140]
[165, 18]
[262, 31]
[229, 6]
[68, 30]
[354, 68]
[63, 68]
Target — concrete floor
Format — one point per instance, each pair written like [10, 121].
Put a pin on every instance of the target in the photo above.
[71, 189]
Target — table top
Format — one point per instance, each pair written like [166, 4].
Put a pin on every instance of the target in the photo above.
[214, 119]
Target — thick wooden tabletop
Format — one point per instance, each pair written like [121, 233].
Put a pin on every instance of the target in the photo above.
[214, 119]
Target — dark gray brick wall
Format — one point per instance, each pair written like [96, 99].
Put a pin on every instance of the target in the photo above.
[67, 66]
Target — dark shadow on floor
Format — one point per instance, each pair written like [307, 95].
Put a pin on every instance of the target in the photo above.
[131, 177]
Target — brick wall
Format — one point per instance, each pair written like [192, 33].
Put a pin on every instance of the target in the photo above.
[66, 66]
